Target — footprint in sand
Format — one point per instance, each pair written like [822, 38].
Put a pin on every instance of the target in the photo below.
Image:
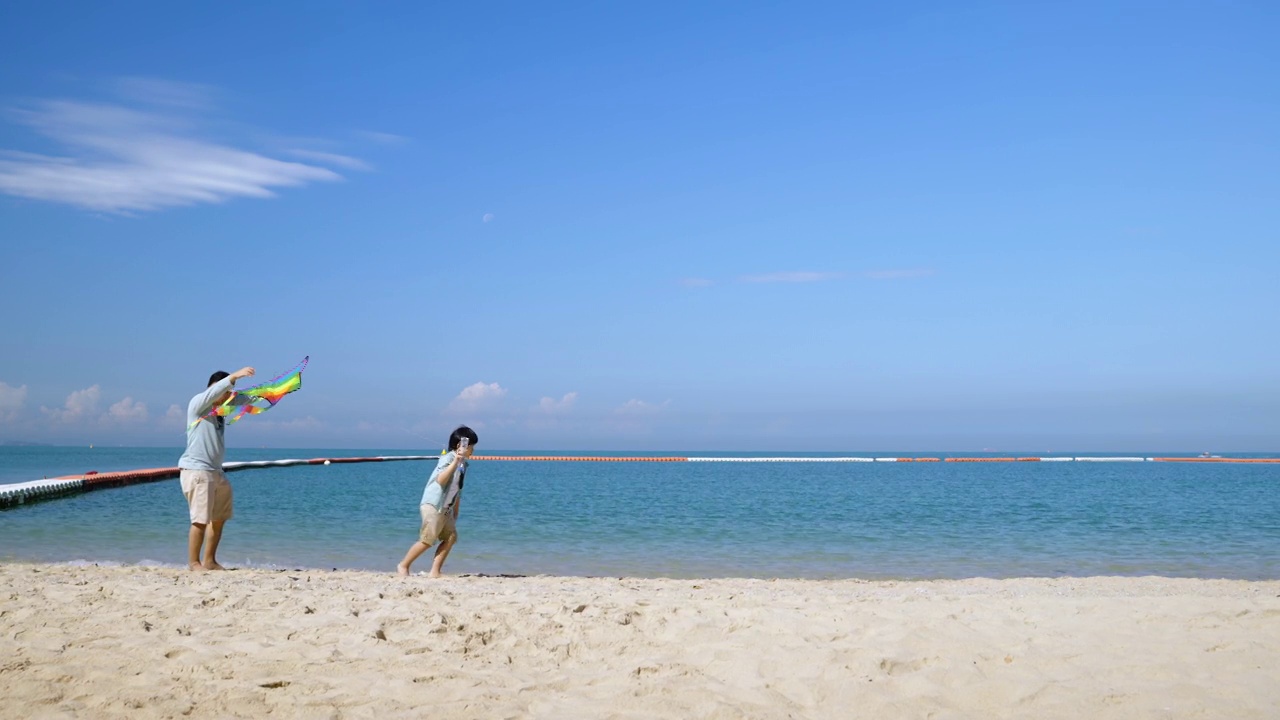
[900, 667]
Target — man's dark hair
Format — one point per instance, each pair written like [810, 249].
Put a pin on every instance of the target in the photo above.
[463, 431]
[214, 378]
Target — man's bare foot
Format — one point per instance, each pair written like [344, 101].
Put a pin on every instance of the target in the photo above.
[402, 571]
[195, 567]
[213, 566]
[434, 574]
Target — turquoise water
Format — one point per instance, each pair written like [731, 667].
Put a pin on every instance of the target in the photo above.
[812, 520]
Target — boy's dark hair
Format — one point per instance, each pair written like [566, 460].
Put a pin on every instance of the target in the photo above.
[463, 431]
[217, 376]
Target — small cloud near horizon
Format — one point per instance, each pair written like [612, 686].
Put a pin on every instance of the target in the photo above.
[82, 408]
[127, 410]
[12, 400]
[640, 407]
[551, 406]
[476, 396]
[79, 405]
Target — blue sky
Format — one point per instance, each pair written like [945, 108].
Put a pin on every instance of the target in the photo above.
[659, 226]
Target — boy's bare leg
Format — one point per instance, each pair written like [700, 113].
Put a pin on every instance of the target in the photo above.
[211, 548]
[442, 552]
[195, 538]
[415, 551]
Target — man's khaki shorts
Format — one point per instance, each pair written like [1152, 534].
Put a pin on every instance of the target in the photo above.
[208, 495]
[436, 526]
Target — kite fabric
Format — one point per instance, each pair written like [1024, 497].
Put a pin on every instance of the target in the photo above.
[269, 392]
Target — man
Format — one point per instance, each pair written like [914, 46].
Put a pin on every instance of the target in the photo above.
[203, 482]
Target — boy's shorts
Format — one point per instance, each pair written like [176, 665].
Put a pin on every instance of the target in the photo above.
[436, 526]
[208, 495]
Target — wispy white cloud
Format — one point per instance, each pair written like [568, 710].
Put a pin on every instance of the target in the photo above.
[383, 138]
[477, 397]
[551, 406]
[488, 218]
[12, 400]
[792, 277]
[166, 93]
[334, 159]
[175, 416]
[898, 274]
[80, 405]
[127, 410]
[143, 155]
[694, 282]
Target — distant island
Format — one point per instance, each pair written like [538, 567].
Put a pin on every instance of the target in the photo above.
[22, 443]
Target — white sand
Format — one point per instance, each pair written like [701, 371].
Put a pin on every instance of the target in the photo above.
[151, 642]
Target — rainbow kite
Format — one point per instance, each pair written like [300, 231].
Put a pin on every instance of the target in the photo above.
[269, 392]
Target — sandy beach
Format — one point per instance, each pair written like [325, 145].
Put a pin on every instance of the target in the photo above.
[148, 642]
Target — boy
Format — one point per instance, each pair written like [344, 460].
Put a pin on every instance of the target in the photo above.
[440, 502]
[203, 483]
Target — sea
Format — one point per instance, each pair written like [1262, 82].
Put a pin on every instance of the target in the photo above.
[679, 520]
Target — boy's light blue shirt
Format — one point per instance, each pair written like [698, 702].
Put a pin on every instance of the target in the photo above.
[434, 495]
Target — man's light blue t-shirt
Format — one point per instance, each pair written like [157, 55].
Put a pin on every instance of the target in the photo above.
[205, 447]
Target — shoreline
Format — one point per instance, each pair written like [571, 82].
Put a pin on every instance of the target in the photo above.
[233, 567]
[148, 641]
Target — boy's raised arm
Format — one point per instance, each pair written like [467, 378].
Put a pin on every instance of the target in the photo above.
[447, 473]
